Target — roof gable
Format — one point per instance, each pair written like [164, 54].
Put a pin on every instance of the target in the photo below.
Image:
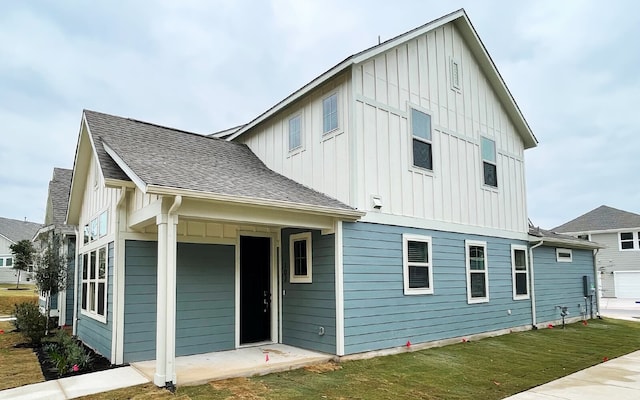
[58, 198]
[16, 230]
[601, 219]
[460, 19]
[155, 157]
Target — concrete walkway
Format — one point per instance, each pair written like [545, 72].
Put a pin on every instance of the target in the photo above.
[617, 379]
[77, 386]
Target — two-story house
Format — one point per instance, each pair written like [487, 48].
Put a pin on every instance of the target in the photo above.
[618, 262]
[12, 231]
[382, 203]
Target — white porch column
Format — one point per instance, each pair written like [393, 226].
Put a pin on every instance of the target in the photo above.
[159, 378]
[172, 228]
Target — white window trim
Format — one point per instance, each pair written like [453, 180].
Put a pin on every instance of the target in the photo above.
[476, 300]
[494, 163]
[515, 247]
[293, 278]
[564, 260]
[635, 239]
[456, 88]
[406, 238]
[89, 313]
[338, 127]
[300, 148]
[413, 167]
[88, 224]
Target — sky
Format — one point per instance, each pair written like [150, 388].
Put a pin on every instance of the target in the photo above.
[205, 66]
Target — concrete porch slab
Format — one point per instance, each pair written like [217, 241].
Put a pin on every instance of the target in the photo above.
[249, 361]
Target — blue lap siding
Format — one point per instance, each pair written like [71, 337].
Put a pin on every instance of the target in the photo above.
[307, 307]
[205, 316]
[71, 265]
[93, 333]
[560, 283]
[377, 313]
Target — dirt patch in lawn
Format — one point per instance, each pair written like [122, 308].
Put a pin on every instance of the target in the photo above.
[324, 367]
[242, 388]
[19, 365]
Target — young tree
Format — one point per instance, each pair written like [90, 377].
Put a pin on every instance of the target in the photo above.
[51, 272]
[23, 255]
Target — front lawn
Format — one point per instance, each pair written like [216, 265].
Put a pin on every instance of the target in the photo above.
[491, 368]
[18, 366]
[9, 296]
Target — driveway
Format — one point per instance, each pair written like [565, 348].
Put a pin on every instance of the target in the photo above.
[628, 309]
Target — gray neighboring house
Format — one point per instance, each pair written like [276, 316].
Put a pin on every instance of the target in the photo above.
[619, 263]
[13, 231]
[55, 222]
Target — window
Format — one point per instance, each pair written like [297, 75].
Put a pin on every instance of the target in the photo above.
[86, 234]
[295, 137]
[300, 258]
[103, 224]
[584, 237]
[489, 165]
[455, 75]
[94, 282]
[97, 228]
[416, 265]
[421, 131]
[330, 113]
[520, 271]
[1, 262]
[564, 255]
[94, 229]
[477, 274]
[627, 241]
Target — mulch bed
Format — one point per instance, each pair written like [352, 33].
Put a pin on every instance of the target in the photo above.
[99, 363]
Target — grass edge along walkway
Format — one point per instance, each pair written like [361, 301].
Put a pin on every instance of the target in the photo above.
[491, 368]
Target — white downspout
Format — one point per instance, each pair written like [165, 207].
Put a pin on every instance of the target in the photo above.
[159, 379]
[117, 336]
[595, 283]
[75, 283]
[172, 230]
[534, 319]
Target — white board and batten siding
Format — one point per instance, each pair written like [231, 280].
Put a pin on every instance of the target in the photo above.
[416, 74]
[323, 161]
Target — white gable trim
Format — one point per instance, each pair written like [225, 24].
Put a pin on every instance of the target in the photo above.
[125, 168]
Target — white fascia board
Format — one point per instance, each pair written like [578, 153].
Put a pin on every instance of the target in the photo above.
[1, 235]
[125, 168]
[566, 243]
[601, 231]
[74, 177]
[351, 215]
[118, 183]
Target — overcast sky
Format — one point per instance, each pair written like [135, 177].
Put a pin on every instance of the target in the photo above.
[203, 66]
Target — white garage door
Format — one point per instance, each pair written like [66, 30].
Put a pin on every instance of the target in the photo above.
[627, 284]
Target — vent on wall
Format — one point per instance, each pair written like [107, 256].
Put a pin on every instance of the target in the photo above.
[455, 75]
[376, 202]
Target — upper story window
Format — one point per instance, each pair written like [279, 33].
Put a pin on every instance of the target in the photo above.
[629, 240]
[330, 113]
[477, 272]
[300, 265]
[564, 255]
[421, 131]
[96, 228]
[295, 132]
[417, 269]
[94, 283]
[584, 237]
[489, 164]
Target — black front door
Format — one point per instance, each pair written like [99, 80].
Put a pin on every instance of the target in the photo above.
[255, 289]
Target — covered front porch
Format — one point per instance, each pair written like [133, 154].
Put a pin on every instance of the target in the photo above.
[244, 362]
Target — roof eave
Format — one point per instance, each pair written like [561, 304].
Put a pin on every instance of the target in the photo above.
[350, 215]
[566, 243]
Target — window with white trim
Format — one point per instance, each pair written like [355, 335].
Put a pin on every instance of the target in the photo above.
[564, 255]
[94, 282]
[629, 241]
[330, 113]
[477, 272]
[417, 267]
[584, 237]
[295, 132]
[421, 140]
[300, 258]
[520, 272]
[489, 164]
[6, 261]
[96, 228]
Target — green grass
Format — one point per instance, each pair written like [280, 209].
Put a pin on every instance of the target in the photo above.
[491, 368]
[9, 297]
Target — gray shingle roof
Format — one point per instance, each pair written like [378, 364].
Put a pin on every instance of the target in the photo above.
[601, 218]
[16, 230]
[177, 159]
[59, 187]
[563, 240]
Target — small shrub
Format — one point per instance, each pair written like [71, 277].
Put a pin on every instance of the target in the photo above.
[29, 321]
[66, 354]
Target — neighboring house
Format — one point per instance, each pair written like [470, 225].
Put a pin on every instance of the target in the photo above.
[383, 202]
[11, 232]
[619, 262]
[62, 305]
